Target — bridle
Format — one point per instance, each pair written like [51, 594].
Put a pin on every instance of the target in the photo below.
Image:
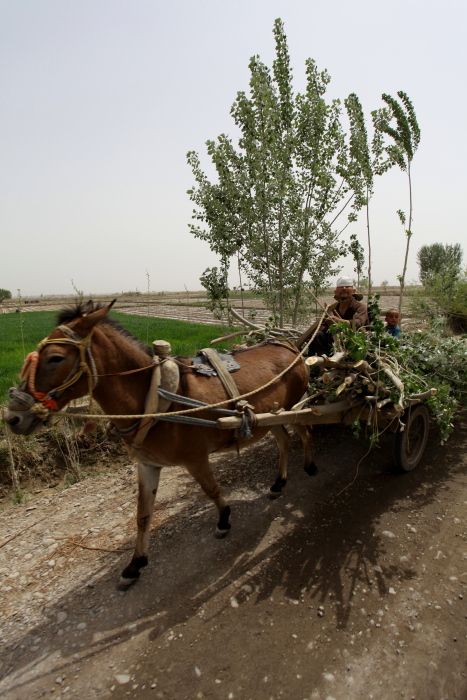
[44, 403]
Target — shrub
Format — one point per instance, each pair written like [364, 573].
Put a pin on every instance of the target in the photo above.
[445, 297]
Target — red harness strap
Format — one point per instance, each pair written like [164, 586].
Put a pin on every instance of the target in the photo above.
[28, 374]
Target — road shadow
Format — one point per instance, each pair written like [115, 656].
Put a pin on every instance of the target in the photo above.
[329, 543]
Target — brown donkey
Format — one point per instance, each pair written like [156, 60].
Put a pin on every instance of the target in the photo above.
[90, 348]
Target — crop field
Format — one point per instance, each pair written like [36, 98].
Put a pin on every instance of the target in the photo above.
[20, 333]
[192, 307]
[182, 320]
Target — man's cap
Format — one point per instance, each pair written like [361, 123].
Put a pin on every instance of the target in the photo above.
[344, 282]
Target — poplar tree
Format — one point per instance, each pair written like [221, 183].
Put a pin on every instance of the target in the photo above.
[406, 138]
[365, 162]
[279, 193]
[439, 258]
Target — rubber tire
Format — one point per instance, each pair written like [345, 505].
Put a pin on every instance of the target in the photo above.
[417, 423]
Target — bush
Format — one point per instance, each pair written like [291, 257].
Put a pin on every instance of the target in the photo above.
[444, 297]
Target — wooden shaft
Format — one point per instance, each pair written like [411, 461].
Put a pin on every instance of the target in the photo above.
[307, 334]
[328, 413]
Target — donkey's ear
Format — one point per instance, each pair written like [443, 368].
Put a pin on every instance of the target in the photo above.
[88, 307]
[84, 324]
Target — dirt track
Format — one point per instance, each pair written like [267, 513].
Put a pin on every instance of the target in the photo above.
[318, 595]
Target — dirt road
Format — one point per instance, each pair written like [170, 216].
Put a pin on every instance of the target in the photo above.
[325, 593]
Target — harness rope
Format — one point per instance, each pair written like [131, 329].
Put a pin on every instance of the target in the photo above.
[248, 417]
[82, 344]
[212, 405]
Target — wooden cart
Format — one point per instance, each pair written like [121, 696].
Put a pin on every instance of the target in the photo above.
[409, 421]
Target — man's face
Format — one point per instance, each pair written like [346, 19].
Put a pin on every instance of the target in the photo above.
[392, 318]
[344, 293]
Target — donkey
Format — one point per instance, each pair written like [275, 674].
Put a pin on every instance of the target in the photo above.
[91, 353]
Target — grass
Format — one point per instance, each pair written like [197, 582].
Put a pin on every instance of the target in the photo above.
[186, 338]
[36, 325]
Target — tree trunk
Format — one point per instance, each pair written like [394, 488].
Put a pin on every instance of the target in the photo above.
[280, 270]
[240, 280]
[298, 296]
[268, 265]
[409, 235]
[369, 240]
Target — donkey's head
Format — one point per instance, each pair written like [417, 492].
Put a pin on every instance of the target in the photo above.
[59, 370]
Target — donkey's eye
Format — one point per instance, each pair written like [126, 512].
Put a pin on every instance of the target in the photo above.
[55, 358]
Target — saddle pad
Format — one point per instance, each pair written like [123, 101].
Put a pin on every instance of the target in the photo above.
[201, 364]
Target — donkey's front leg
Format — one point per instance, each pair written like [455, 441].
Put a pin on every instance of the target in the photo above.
[148, 481]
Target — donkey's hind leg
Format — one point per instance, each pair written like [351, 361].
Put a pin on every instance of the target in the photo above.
[282, 438]
[305, 433]
[201, 471]
[148, 481]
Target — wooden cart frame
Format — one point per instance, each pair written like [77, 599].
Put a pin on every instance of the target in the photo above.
[410, 428]
[410, 422]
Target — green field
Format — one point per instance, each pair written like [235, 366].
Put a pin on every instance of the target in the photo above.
[186, 338]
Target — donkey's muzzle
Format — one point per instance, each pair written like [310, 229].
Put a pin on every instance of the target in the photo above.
[23, 422]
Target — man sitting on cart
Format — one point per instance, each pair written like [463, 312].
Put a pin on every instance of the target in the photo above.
[348, 309]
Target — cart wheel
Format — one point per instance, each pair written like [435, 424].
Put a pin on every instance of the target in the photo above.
[409, 444]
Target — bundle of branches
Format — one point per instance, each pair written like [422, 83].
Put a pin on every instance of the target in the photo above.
[258, 333]
[384, 371]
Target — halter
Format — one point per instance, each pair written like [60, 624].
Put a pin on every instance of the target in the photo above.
[47, 402]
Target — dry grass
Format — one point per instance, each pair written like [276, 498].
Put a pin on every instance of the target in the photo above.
[59, 456]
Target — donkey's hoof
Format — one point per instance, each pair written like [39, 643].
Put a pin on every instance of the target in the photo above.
[223, 525]
[311, 469]
[276, 489]
[274, 494]
[130, 573]
[220, 534]
[125, 583]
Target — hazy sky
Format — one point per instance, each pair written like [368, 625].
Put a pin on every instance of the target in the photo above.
[102, 99]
